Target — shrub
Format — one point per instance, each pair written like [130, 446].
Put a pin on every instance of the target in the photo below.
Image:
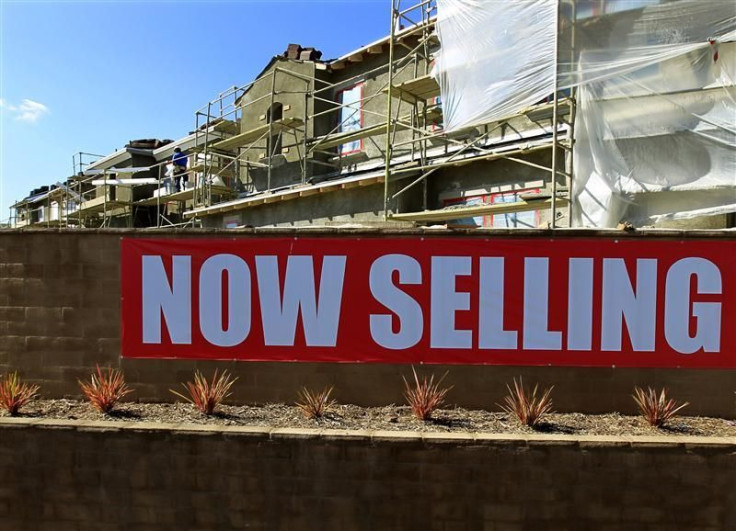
[105, 389]
[14, 394]
[204, 395]
[424, 396]
[314, 404]
[656, 409]
[526, 406]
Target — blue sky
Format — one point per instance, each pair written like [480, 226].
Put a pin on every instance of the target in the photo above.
[90, 76]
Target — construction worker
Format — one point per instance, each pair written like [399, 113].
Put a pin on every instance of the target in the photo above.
[179, 160]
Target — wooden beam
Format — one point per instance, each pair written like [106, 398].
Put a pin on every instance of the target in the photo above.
[273, 199]
[417, 89]
[337, 139]
[480, 210]
[254, 134]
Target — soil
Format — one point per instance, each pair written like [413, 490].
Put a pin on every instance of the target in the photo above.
[399, 418]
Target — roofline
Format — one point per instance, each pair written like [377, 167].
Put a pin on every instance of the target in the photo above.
[381, 41]
[32, 199]
[108, 161]
[260, 74]
[344, 58]
[185, 143]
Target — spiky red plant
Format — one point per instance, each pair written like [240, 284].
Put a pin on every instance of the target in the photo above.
[527, 407]
[424, 396]
[204, 395]
[105, 389]
[656, 409]
[14, 394]
[314, 404]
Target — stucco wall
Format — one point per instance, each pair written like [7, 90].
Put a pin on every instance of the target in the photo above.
[354, 205]
[60, 316]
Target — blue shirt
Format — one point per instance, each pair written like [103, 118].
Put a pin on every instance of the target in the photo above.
[179, 159]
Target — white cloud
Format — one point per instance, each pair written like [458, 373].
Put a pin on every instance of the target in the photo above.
[28, 111]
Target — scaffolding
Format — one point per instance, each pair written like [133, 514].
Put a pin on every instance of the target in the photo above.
[404, 112]
[418, 93]
[302, 127]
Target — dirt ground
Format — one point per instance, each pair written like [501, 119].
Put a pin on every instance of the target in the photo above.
[379, 418]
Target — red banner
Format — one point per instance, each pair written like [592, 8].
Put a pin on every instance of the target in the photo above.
[562, 302]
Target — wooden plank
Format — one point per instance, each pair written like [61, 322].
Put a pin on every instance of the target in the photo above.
[228, 126]
[254, 134]
[213, 169]
[418, 89]
[98, 205]
[350, 158]
[184, 195]
[337, 139]
[124, 182]
[481, 210]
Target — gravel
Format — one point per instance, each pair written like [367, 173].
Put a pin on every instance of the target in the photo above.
[398, 418]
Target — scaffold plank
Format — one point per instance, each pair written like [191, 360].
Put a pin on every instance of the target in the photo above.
[480, 210]
[337, 139]
[418, 89]
[256, 133]
[183, 196]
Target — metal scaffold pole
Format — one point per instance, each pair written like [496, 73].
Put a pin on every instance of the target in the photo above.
[270, 144]
[555, 117]
[569, 165]
[389, 95]
[206, 163]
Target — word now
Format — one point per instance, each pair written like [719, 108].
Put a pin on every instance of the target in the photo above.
[227, 285]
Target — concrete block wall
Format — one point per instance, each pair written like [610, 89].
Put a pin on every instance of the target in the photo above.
[59, 305]
[60, 316]
[79, 476]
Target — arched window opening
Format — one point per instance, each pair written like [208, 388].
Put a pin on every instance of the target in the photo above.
[274, 114]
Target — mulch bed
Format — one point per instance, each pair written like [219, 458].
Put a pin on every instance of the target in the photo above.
[398, 418]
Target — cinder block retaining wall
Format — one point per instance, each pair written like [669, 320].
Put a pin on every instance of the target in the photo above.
[60, 315]
[97, 476]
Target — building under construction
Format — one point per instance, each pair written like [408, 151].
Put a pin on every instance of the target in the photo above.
[587, 113]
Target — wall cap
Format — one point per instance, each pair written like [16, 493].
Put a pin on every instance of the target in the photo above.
[682, 442]
[384, 232]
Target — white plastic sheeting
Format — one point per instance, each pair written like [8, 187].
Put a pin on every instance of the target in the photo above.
[496, 58]
[656, 125]
[656, 118]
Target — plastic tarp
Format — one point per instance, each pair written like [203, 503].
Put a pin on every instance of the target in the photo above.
[495, 58]
[655, 129]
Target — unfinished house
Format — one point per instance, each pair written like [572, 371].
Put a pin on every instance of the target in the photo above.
[134, 187]
[171, 204]
[110, 187]
[524, 114]
[462, 116]
[46, 206]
